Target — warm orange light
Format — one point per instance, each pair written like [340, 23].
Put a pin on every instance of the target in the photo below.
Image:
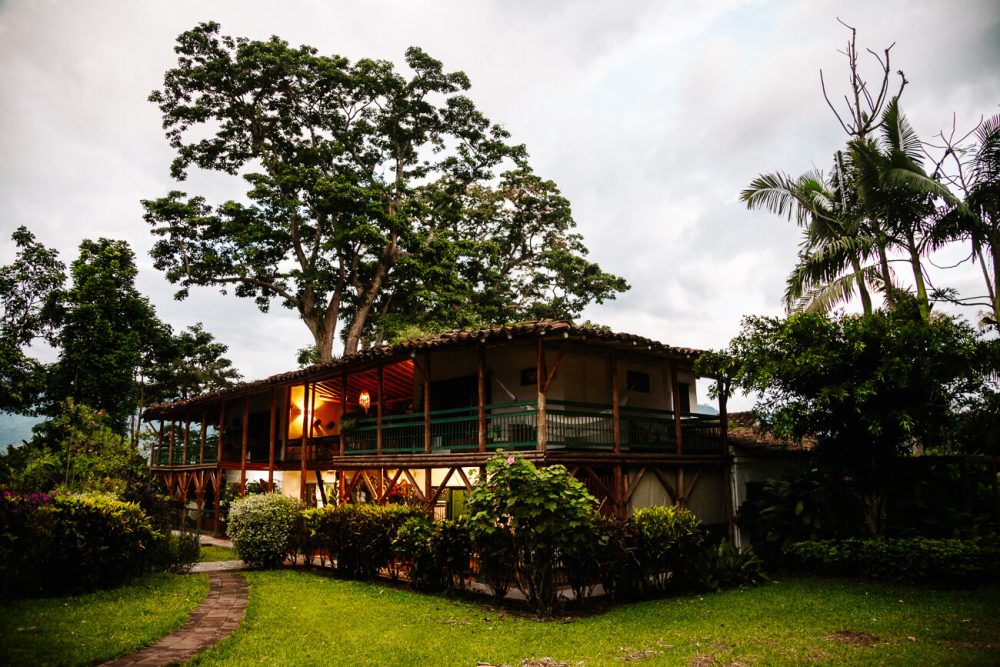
[365, 401]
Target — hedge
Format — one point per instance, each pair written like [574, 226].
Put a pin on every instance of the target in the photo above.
[940, 562]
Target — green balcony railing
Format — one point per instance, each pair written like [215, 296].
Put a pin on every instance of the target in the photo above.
[569, 425]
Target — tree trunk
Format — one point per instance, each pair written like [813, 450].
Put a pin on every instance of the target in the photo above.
[918, 278]
[859, 277]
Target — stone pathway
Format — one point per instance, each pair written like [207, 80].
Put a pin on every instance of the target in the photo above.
[215, 618]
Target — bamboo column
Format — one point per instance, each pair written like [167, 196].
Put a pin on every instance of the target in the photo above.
[378, 410]
[616, 432]
[427, 403]
[675, 403]
[542, 428]
[307, 416]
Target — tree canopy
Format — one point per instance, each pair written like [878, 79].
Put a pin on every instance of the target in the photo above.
[869, 388]
[375, 198]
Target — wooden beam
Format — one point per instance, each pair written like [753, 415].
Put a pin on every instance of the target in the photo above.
[355, 478]
[388, 487]
[616, 431]
[222, 425]
[542, 426]
[343, 412]
[170, 447]
[201, 439]
[675, 404]
[322, 488]
[159, 445]
[465, 479]
[667, 485]
[619, 497]
[378, 417]
[413, 483]
[634, 484]
[552, 371]
[307, 420]
[481, 395]
[598, 481]
[272, 434]
[444, 483]
[427, 402]
[187, 437]
[243, 445]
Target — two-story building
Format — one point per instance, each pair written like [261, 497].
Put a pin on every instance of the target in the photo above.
[419, 419]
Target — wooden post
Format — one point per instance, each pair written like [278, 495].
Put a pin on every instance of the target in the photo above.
[427, 403]
[170, 446]
[481, 391]
[723, 415]
[616, 431]
[378, 412]
[542, 428]
[201, 440]
[619, 491]
[187, 436]
[222, 425]
[243, 445]
[341, 487]
[159, 444]
[429, 491]
[343, 412]
[271, 436]
[675, 404]
[307, 416]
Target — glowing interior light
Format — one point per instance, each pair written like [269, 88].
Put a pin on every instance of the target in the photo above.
[365, 401]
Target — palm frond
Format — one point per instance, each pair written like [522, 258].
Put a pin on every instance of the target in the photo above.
[774, 192]
[898, 135]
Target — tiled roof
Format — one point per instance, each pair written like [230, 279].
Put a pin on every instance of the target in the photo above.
[447, 339]
[745, 430]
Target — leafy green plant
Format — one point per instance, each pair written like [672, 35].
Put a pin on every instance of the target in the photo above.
[452, 546]
[177, 552]
[414, 549]
[668, 541]
[725, 566]
[945, 562]
[533, 518]
[261, 527]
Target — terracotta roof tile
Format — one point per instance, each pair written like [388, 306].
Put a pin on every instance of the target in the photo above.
[456, 338]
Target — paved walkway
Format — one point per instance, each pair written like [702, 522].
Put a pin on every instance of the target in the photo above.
[215, 619]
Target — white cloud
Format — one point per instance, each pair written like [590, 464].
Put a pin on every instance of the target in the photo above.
[650, 116]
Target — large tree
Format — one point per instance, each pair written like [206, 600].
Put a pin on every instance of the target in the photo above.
[106, 326]
[363, 183]
[29, 290]
[869, 388]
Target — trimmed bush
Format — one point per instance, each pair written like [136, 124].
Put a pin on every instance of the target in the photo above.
[452, 545]
[261, 527]
[946, 562]
[358, 538]
[52, 544]
[415, 552]
[177, 552]
[668, 545]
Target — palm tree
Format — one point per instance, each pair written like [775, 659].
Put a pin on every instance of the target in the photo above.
[978, 218]
[897, 196]
[835, 245]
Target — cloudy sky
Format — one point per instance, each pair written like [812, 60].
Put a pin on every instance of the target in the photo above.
[651, 117]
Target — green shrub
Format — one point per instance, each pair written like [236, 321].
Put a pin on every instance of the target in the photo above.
[51, 544]
[531, 518]
[667, 544]
[725, 566]
[414, 549]
[452, 545]
[177, 552]
[944, 562]
[359, 538]
[261, 527]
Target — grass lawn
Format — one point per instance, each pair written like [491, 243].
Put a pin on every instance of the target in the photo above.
[299, 618]
[212, 553]
[85, 629]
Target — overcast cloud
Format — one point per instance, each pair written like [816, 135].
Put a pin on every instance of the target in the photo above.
[651, 117]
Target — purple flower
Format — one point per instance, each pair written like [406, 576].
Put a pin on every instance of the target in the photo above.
[510, 460]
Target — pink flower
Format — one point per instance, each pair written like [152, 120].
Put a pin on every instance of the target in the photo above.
[510, 460]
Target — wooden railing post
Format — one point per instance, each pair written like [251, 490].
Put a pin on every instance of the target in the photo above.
[542, 427]
[201, 440]
[271, 436]
[481, 393]
[378, 410]
[675, 404]
[427, 403]
[615, 414]
[307, 416]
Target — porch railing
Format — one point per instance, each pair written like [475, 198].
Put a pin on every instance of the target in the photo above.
[569, 425]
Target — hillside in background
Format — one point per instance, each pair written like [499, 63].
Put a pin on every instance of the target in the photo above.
[15, 428]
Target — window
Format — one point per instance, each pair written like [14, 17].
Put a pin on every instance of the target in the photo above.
[637, 381]
[529, 376]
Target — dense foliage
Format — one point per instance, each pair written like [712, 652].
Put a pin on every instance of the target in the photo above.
[262, 527]
[60, 543]
[868, 388]
[944, 562]
[377, 199]
[541, 516]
